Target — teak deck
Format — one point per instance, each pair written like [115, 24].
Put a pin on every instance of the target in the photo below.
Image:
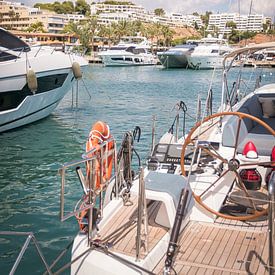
[224, 247]
[120, 232]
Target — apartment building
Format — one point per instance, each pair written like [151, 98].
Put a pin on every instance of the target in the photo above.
[13, 15]
[17, 16]
[97, 8]
[189, 20]
[108, 14]
[252, 22]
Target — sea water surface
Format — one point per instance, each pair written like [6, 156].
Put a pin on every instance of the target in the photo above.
[30, 156]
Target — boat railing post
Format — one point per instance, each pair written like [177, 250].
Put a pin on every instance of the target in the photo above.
[198, 116]
[63, 180]
[92, 189]
[116, 170]
[142, 219]
[153, 133]
[101, 178]
[271, 222]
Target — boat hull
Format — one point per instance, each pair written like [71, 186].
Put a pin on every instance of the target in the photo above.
[128, 60]
[172, 60]
[53, 70]
[205, 62]
[35, 106]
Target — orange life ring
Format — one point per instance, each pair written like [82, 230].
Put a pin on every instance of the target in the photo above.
[99, 133]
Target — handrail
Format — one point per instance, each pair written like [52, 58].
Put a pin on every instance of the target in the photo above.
[30, 236]
[271, 222]
[85, 159]
[142, 220]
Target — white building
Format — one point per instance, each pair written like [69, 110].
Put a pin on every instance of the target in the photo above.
[252, 22]
[113, 13]
[113, 17]
[97, 8]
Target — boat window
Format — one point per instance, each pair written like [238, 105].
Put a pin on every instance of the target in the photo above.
[128, 59]
[137, 51]
[12, 42]
[137, 60]
[116, 58]
[130, 49]
[118, 48]
[214, 51]
[10, 100]
[4, 56]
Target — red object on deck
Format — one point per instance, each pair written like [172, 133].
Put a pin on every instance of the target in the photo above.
[250, 150]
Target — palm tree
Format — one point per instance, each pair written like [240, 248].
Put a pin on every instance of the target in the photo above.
[92, 29]
[157, 31]
[36, 27]
[122, 28]
[167, 35]
[107, 32]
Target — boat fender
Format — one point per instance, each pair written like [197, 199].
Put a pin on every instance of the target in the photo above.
[76, 71]
[32, 81]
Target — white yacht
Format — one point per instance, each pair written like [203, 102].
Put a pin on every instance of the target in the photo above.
[209, 54]
[130, 51]
[33, 80]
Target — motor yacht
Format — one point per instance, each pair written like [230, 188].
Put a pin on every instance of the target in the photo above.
[209, 54]
[33, 79]
[130, 51]
[176, 57]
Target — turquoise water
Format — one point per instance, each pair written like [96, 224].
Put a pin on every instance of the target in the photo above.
[30, 156]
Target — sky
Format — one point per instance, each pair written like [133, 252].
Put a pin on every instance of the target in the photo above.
[266, 7]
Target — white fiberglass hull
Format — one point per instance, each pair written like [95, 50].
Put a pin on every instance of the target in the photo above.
[128, 60]
[34, 107]
[205, 62]
[18, 105]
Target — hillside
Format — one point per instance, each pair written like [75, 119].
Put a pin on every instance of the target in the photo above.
[258, 38]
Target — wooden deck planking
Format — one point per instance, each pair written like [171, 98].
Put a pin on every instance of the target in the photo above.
[124, 238]
[207, 248]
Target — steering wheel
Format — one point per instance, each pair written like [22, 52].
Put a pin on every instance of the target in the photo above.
[229, 164]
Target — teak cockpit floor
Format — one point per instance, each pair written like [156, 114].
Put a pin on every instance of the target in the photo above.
[120, 232]
[222, 248]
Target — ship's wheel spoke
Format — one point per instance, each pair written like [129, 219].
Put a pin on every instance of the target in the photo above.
[212, 184]
[237, 137]
[214, 155]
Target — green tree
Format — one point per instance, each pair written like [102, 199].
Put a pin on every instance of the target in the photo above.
[82, 7]
[205, 18]
[159, 12]
[167, 33]
[107, 32]
[231, 24]
[36, 27]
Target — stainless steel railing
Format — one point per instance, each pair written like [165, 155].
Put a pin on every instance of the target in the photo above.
[93, 194]
[30, 237]
[142, 219]
[271, 222]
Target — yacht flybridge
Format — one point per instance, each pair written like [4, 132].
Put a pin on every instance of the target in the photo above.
[130, 51]
[33, 79]
[203, 203]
